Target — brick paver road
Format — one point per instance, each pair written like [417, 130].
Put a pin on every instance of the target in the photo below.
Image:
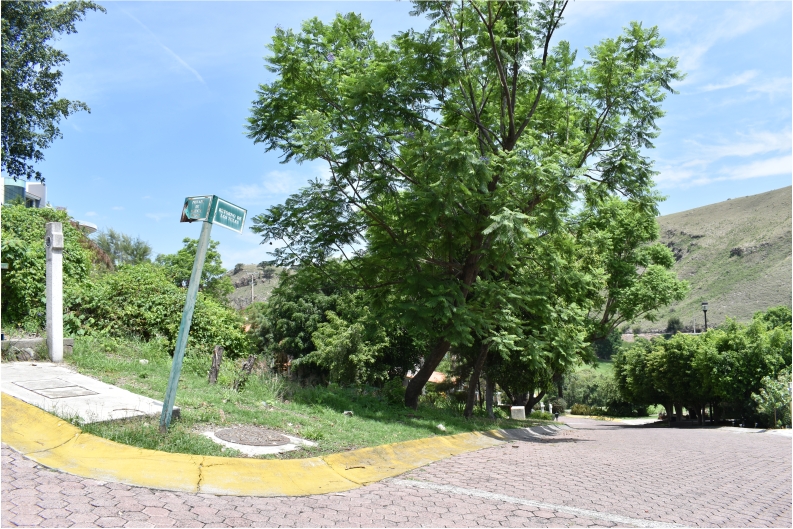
[600, 474]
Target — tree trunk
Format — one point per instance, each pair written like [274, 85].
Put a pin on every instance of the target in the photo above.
[532, 401]
[678, 411]
[417, 383]
[217, 358]
[558, 379]
[474, 381]
[490, 386]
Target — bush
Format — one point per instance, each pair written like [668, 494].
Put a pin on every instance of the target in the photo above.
[674, 325]
[24, 283]
[541, 415]
[141, 301]
[580, 409]
[394, 391]
[559, 405]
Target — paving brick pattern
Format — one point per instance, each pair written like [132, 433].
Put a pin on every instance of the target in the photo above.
[691, 477]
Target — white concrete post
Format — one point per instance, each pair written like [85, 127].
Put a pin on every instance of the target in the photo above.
[53, 241]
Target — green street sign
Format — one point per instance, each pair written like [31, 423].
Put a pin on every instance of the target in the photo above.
[211, 210]
[228, 215]
[196, 208]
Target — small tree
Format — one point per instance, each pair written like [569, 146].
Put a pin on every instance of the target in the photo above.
[179, 266]
[122, 248]
[674, 325]
[774, 398]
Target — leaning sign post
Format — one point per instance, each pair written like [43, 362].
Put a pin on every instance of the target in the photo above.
[211, 210]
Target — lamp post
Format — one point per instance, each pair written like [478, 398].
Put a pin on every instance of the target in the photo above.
[705, 310]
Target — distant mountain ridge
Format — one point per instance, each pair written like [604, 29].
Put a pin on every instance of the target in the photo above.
[735, 254]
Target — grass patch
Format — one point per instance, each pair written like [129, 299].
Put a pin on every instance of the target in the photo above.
[314, 413]
[605, 367]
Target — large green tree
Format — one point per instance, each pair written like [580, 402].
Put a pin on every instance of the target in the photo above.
[450, 150]
[30, 79]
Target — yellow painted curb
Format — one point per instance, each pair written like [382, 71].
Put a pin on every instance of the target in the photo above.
[55, 443]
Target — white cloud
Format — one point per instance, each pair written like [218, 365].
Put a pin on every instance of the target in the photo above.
[158, 216]
[777, 85]
[734, 80]
[734, 23]
[91, 214]
[776, 166]
[759, 154]
[275, 185]
[118, 208]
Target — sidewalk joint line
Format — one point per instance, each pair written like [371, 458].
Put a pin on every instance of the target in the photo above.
[616, 518]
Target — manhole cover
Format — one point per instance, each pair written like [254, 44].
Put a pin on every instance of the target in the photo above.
[252, 436]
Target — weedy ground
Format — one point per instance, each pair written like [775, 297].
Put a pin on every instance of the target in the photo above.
[314, 413]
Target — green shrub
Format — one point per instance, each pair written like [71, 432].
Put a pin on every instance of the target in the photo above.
[559, 405]
[541, 415]
[579, 409]
[141, 301]
[24, 282]
[394, 391]
[674, 325]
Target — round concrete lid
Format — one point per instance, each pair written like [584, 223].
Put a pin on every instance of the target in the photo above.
[252, 436]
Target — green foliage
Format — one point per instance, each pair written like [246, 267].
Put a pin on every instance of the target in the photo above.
[142, 301]
[394, 391]
[674, 325]
[313, 322]
[179, 266]
[24, 283]
[776, 317]
[580, 409]
[590, 387]
[448, 210]
[541, 415]
[773, 400]
[725, 366]
[606, 347]
[122, 248]
[639, 275]
[30, 79]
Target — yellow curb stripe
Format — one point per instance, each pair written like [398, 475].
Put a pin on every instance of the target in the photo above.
[54, 443]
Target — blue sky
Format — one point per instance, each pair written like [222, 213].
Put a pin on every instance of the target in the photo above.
[170, 85]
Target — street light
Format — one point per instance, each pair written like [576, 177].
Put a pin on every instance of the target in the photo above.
[705, 310]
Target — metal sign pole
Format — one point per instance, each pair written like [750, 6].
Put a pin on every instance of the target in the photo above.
[184, 327]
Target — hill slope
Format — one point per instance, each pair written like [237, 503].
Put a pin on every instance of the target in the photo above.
[264, 281]
[735, 254]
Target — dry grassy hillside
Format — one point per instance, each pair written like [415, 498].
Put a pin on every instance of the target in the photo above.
[735, 254]
[264, 281]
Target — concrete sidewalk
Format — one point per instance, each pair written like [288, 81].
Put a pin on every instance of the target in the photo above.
[57, 389]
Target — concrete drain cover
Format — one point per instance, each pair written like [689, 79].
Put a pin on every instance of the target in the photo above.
[252, 436]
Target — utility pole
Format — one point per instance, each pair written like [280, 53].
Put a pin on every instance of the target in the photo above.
[253, 279]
